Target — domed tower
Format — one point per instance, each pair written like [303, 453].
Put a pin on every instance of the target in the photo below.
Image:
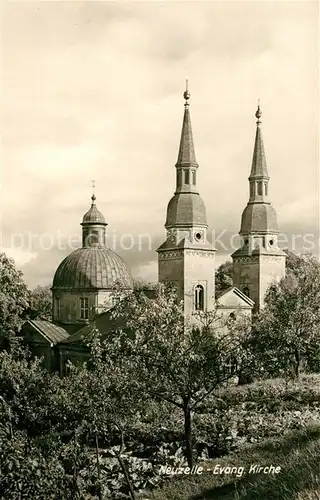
[186, 258]
[86, 278]
[259, 262]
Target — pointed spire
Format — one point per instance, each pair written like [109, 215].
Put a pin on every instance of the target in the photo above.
[186, 156]
[259, 164]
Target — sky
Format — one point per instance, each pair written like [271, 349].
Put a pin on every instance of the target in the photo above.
[93, 90]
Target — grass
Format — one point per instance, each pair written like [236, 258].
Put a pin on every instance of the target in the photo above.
[296, 452]
[298, 455]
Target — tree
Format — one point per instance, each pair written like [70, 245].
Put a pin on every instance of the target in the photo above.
[248, 365]
[41, 303]
[14, 300]
[171, 359]
[294, 262]
[223, 277]
[288, 328]
[107, 403]
[29, 453]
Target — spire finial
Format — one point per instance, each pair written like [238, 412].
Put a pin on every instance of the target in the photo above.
[93, 197]
[186, 94]
[258, 113]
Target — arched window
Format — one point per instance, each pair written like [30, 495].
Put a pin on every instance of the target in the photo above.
[260, 188]
[266, 189]
[193, 177]
[252, 189]
[246, 291]
[199, 298]
[232, 315]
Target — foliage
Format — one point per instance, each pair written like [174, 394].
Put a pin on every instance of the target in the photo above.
[143, 285]
[287, 331]
[41, 303]
[297, 454]
[14, 299]
[171, 359]
[223, 277]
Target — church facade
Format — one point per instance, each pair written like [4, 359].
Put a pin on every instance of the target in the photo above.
[86, 279]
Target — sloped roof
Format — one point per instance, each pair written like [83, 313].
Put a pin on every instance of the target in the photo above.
[259, 218]
[186, 209]
[51, 332]
[104, 322]
[234, 298]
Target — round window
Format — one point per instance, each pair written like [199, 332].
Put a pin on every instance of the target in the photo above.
[198, 236]
[271, 242]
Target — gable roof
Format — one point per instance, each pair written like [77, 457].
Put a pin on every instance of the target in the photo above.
[234, 298]
[104, 322]
[49, 331]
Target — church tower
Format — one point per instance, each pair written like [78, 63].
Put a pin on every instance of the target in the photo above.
[259, 261]
[186, 258]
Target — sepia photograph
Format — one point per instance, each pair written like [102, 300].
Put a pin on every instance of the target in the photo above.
[159, 250]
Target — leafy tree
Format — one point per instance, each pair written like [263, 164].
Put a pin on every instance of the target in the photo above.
[294, 262]
[170, 359]
[288, 328]
[105, 403]
[30, 460]
[248, 366]
[14, 300]
[41, 303]
[223, 277]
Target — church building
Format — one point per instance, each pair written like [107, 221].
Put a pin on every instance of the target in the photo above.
[85, 280]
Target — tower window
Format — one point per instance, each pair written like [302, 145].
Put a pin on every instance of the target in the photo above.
[260, 188]
[199, 298]
[266, 189]
[194, 177]
[85, 233]
[252, 189]
[271, 242]
[186, 176]
[246, 291]
[198, 236]
[57, 308]
[93, 237]
[84, 308]
[179, 178]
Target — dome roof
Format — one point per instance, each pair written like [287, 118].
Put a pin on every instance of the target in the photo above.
[186, 209]
[93, 267]
[260, 218]
[93, 216]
